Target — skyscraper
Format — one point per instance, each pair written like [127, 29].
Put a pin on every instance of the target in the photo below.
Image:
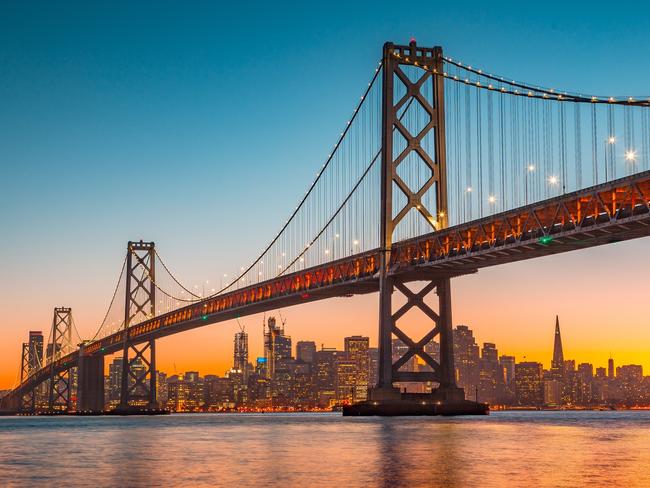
[466, 360]
[558, 355]
[325, 375]
[346, 380]
[277, 346]
[356, 350]
[305, 351]
[610, 368]
[529, 383]
[491, 375]
[508, 364]
[240, 354]
[115, 379]
[35, 355]
[373, 365]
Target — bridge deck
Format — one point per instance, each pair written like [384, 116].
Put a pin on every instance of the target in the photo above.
[606, 213]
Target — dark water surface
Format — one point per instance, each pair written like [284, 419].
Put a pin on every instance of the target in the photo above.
[553, 449]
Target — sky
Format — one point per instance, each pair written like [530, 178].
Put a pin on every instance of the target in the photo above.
[199, 126]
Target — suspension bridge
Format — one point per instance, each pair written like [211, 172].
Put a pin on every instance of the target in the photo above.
[441, 169]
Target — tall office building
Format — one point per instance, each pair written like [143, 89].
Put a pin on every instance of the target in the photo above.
[240, 386]
[138, 370]
[325, 375]
[529, 381]
[258, 383]
[114, 380]
[277, 351]
[610, 368]
[491, 380]
[552, 391]
[277, 347]
[584, 384]
[356, 350]
[240, 354]
[373, 366]
[508, 364]
[629, 379]
[346, 380]
[161, 388]
[35, 351]
[558, 355]
[305, 351]
[466, 360]
[218, 393]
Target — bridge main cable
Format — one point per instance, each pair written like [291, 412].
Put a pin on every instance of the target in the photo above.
[528, 90]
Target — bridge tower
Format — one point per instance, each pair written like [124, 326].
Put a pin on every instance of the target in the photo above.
[28, 400]
[138, 388]
[60, 344]
[394, 58]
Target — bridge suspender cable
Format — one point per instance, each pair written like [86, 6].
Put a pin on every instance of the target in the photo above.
[318, 177]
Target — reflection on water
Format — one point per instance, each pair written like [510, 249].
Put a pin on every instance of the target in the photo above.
[505, 449]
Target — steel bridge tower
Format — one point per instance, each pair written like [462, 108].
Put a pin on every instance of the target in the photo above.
[394, 57]
[28, 400]
[61, 342]
[138, 388]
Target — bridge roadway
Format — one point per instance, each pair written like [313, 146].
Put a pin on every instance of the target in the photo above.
[606, 213]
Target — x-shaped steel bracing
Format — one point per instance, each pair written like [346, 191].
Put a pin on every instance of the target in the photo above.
[416, 299]
[139, 386]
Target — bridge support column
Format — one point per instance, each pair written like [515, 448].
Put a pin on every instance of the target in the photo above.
[445, 397]
[28, 400]
[138, 388]
[60, 383]
[90, 386]
[426, 212]
[442, 372]
[59, 388]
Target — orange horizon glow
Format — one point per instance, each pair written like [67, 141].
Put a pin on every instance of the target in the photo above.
[513, 306]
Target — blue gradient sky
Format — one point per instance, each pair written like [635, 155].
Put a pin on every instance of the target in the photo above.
[200, 126]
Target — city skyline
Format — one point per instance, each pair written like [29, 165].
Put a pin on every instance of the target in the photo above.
[322, 378]
[228, 363]
[217, 355]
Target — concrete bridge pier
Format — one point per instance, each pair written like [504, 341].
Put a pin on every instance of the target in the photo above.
[90, 387]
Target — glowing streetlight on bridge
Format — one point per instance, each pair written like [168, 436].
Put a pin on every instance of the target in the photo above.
[529, 169]
[630, 155]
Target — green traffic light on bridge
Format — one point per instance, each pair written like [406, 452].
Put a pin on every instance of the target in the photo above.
[545, 240]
